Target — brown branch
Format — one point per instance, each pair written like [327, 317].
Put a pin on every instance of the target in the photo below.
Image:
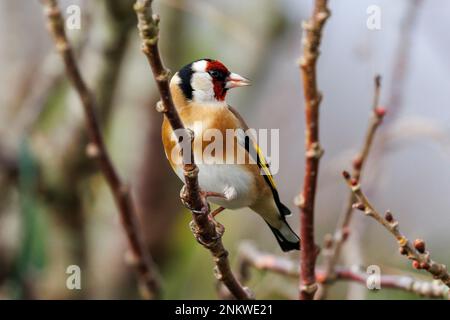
[401, 61]
[333, 244]
[311, 43]
[250, 256]
[97, 149]
[206, 230]
[416, 252]
[155, 187]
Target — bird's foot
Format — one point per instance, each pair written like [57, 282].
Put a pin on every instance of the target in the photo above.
[204, 195]
[187, 202]
[208, 242]
[184, 198]
[220, 229]
[217, 211]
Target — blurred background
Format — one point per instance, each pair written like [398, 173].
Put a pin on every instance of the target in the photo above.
[56, 211]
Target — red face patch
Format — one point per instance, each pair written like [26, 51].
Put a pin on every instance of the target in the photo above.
[219, 74]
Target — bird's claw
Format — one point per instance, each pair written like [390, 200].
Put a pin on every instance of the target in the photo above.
[220, 229]
[208, 194]
[184, 198]
[203, 195]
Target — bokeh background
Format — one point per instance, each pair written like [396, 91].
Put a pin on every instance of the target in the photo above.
[56, 211]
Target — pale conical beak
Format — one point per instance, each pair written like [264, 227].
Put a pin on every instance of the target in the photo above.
[234, 80]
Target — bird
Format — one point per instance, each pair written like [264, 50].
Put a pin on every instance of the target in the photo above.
[198, 92]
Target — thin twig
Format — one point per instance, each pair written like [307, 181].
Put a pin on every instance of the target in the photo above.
[311, 43]
[249, 256]
[216, 16]
[333, 244]
[401, 59]
[206, 230]
[416, 252]
[96, 149]
[400, 70]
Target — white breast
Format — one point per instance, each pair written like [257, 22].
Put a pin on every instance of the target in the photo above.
[229, 179]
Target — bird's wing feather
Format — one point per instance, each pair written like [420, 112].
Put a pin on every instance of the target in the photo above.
[248, 142]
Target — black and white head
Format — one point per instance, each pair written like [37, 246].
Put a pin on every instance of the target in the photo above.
[207, 81]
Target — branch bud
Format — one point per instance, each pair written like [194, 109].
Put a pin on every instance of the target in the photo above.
[357, 163]
[92, 150]
[360, 206]
[403, 251]
[345, 233]
[388, 216]
[419, 244]
[380, 112]
[328, 241]
[354, 182]
[346, 175]
[424, 265]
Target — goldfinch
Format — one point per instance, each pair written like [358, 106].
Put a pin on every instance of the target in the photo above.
[199, 90]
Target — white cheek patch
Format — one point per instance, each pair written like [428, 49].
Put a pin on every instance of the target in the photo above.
[202, 81]
[202, 86]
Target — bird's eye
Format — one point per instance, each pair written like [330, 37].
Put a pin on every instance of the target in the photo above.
[214, 73]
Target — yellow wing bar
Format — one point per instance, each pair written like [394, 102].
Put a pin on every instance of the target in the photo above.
[264, 166]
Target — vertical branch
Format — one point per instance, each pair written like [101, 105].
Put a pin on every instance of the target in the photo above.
[97, 149]
[155, 187]
[206, 230]
[342, 231]
[311, 43]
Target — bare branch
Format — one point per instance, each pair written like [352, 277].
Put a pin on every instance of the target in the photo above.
[206, 230]
[420, 257]
[311, 43]
[334, 244]
[251, 257]
[146, 269]
[402, 57]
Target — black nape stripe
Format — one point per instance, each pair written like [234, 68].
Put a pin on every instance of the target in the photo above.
[185, 75]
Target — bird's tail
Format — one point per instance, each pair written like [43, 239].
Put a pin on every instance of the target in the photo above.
[286, 237]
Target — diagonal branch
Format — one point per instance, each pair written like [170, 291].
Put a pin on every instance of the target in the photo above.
[311, 43]
[145, 266]
[206, 230]
[416, 252]
[341, 234]
[250, 257]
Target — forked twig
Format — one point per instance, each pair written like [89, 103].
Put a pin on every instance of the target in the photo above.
[333, 244]
[416, 252]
